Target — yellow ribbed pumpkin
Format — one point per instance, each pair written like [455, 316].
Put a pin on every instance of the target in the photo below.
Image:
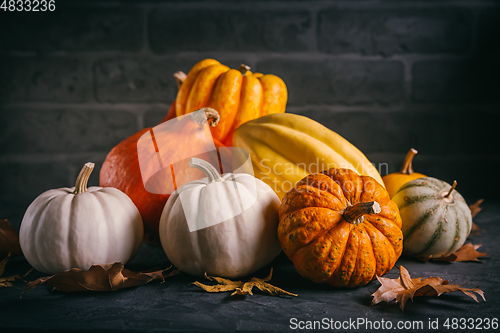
[286, 147]
[237, 95]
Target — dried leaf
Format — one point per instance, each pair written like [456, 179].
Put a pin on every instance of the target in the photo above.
[401, 289]
[465, 253]
[243, 288]
[475, 207]
[110, 277]
[7, 281]
[9, 240]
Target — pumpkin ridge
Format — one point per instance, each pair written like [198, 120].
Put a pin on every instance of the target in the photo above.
[410, 185]
[416, 199]
[429, 213]
[342, 280]
[387, 252]
[295, 227]
[357, 273]
[436, 235]
[372, 220]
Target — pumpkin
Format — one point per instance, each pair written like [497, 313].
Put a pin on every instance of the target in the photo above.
[79, 227]
[286, 147]
[395, 180]
[238, 95]
[340, 228]
[121, 169]
[436, 218]
[220, 225]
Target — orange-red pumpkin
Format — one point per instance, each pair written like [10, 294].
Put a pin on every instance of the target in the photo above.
[121, 170]
[340, 228]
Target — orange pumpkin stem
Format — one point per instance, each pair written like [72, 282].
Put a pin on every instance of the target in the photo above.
[243, 69]
[407, 167]
[179, 78]
[83, 178]
[355, 214]
[451, 189]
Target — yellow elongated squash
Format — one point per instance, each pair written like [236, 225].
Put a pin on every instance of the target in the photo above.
[285, 148]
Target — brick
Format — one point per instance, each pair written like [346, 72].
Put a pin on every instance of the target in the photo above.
[338, 81]
[154, 116]
[23, 182]
[138, 80]
[143, 79]
[44, 80]
[429, 132]
[282, 30]
[393, 31]
[451, 81]
[75, 29]
[63, 130]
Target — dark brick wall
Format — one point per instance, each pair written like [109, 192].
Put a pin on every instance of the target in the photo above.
[387, 75]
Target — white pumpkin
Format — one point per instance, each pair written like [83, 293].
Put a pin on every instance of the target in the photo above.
[79, 227]
[233, 220]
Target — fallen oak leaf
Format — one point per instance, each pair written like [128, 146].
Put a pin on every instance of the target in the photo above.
[263, 286]
[401, 289]
[468, 252]
[9, 240]
[243, 288]
[110, 277]
[224, 284]
[7, 281]
[474, 209]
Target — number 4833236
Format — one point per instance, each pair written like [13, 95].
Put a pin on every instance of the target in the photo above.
[28, 5]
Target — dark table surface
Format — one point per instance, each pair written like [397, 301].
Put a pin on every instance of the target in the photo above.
[176, 305]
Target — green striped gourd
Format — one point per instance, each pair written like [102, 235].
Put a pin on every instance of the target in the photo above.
[436, 218]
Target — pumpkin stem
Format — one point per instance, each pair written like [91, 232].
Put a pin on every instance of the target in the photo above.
[407, 168]
[208, 169]
[243, 69]
[354, 214]
[83, 178]
[179, 78]
[212, 117]
[451, 189]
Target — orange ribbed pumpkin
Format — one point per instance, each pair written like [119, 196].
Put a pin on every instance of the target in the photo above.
[238, 95]
[340, 228]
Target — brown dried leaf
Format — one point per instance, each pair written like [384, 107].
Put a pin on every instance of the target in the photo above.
[110, 277]
[243, 288]
[7, 281]
[465, 253]
[475, 207]
[9, 240]
[396, 289]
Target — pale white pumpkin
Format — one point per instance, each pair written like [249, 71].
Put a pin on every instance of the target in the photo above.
[79, 227]
[221, 241]
[436, 218]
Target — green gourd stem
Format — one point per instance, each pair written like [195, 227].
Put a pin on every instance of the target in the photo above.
[451, 189]
[208, 169]
[83, 178]
[407, 167]
[354, 214]
[243, 69]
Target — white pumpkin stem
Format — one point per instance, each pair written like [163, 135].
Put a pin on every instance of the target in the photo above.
[451, 189]
[211, 114]
[179, 78]
[407, 167]
[83, 178]
[208, 169]
[243, 69]
[354, 214]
